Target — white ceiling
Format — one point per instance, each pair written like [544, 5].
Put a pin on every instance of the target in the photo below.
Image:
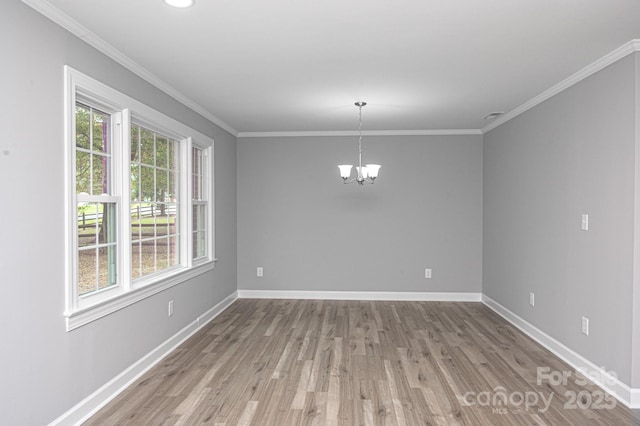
[299, 65]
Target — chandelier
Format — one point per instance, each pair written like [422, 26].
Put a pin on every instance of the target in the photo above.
[367, 173]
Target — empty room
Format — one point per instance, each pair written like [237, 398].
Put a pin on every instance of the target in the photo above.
[320, 213]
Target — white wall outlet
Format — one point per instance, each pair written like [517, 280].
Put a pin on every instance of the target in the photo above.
[584, 223]
[532, 299]
[585, 325]
[170, 308]
[427, 273]
[260, 271]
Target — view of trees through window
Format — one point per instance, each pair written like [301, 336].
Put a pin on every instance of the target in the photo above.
[97, 221]
[154, 207]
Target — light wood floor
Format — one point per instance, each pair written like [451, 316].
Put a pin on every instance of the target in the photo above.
[301, 362]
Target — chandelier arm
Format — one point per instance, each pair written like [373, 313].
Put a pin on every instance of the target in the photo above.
[345, 181]
[361, 181]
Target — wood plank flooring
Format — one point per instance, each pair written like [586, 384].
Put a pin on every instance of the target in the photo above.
[312, 362]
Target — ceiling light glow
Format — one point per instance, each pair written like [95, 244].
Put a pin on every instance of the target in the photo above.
[180, 3]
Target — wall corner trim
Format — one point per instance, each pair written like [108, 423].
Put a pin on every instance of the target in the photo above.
[619, 53]
[83, 410]
[630, 397]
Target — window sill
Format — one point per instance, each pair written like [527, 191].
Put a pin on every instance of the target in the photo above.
[86, 315]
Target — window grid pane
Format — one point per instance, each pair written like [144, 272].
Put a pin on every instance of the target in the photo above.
[154, 208]
[97, 246]
[198, 233]
[93, 151]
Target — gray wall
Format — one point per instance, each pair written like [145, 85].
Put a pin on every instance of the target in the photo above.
[311, 232]
[41, 361]
[635, 355]
[572, 154]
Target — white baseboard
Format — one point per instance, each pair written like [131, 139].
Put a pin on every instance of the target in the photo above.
[94, 402]
[622, 392]
[635, 399]
[360, 295]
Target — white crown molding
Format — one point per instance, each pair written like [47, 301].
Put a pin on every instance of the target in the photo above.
[77, 29]
[630, 397]
[81, 412]
[624, 50]
[71, 25]
[321, 133]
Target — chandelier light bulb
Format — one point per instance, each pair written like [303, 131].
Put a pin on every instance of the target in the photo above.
[345, 170]
[372, 169]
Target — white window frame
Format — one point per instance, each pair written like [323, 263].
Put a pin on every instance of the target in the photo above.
[80, 310]
[207, 190]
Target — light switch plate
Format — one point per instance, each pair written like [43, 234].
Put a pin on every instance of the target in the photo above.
[585, 325]
[584, 223]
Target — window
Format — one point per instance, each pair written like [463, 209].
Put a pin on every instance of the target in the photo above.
[154, 209]
[199, 203]
[96, 202]
[139, 200]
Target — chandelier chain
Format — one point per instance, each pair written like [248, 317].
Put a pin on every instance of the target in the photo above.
[360, 135]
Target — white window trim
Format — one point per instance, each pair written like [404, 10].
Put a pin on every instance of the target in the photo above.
[128, 291]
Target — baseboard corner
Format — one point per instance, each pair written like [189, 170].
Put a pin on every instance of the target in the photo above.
[630, 397]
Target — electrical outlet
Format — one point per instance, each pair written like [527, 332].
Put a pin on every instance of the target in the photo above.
[260, 271]
[585, 325]
[532, 299]
[427, 273]
[170, 308]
